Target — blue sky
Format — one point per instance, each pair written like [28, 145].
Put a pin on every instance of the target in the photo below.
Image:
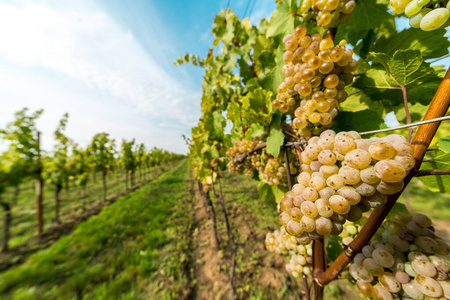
[109, 64]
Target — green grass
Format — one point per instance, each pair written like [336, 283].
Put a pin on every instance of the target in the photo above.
[131, 250]
[434, 205]
[23, 225]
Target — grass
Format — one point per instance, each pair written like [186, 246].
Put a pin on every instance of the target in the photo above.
[141, 247]
[434, 205]
[23, 225]
[131, 250]
[253, 260]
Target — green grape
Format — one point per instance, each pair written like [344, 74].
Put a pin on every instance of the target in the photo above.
[350, 193]
[412, 290]
[335, 182]
[358, 159]
[423, 267]
[434, 19]
[365, 288]
[368, 175]
[381, 150]
[421, 219]
[383, 258]
[344, 145]
[415, 20]
[323, 207]
[309, 209]
[323, 226]
[308, 224]
[427, 244]
[428, 286]
[365, 189]
[388, 188]
[372, 267]
[391, 283]
[327, 157]
[390, 171]
[412, 8]
[402, 277]
[339, 204]
[326, 192]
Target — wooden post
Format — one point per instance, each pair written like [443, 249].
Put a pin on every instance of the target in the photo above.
[39, 189]
[422, 139]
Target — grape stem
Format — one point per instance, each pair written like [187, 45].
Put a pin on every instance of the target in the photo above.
[422, 139]
[288, 168]
[305, 287]
[408, 115]
[293, 135]
[230, 237]
[432, 172]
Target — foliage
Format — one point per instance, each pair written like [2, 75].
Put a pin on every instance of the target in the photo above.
[244, 69]
[102, 150]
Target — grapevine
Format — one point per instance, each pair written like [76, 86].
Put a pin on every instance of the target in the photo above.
[297, 90]
[424, 14]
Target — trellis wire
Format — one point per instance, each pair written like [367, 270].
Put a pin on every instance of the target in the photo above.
[406, 126]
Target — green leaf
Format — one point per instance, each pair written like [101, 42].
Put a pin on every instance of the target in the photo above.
[275, 141]
[414, 39]
[436, 160]
[363, 120]
[279, 191]
[406, 68]
[444, 144]
[417, 111]
[255, 130]
[368, 14]
[265, 192]
[276, 137]
[282, 21]
[271, 76]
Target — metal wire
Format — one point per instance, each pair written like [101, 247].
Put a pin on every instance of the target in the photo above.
[406, 126]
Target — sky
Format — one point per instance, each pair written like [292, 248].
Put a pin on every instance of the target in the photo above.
[109, 64]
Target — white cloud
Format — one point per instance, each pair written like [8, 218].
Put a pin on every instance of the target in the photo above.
[79, 40]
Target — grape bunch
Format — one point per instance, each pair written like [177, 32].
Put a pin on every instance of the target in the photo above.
[316, 73]
[342, 177]
[299, 264]
[283, 243]
[424, 14]
[271, 169]
[328, 13]
[274, 172]
[247, 166]
[350, 230]
[404, 260]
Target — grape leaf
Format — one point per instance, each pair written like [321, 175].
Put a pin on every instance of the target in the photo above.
[436, 160]
[271, 80]
[282, 21]
[368, 14]
[279, 191]
[254, 130]
[417, 111]
[413, 39]
[444, 144]
[363, 120]
[276, 137]
[275, 141]
[406, 68]
[265, 192]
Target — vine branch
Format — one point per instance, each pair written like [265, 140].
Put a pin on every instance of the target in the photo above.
[432, 172]
[408, 115]
[422, 139]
